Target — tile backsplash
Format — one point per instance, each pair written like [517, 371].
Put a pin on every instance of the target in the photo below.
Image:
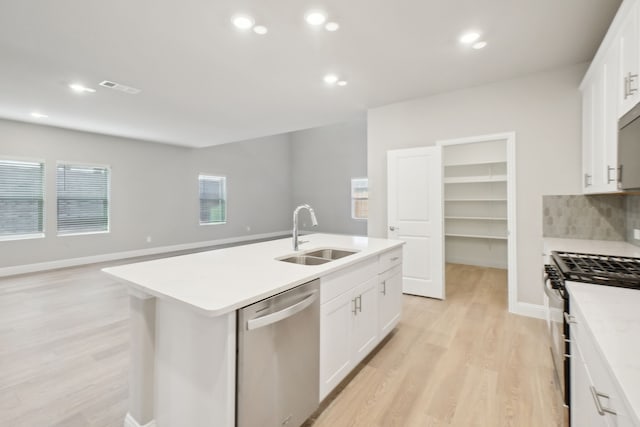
[632, 208]
[597, 217]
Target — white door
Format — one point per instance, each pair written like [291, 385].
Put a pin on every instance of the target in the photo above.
[414, 214]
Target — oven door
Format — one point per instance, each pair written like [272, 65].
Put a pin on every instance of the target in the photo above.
[555, 317]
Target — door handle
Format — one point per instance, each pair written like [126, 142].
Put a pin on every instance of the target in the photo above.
[282, 314]
[392, 228]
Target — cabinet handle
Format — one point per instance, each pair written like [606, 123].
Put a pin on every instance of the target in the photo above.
[384, 287]
[609, 170]
[596, 399]
[626, 87]
[569, 318]
[630, 79]
[355, 306]
[395, 258]
[358, 303]
[620, 174]
[392, 228]
[587, 180]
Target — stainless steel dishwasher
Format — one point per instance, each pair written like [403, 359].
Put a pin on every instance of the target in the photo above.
[278, 359]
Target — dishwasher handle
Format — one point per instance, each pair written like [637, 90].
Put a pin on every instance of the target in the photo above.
[282, 314]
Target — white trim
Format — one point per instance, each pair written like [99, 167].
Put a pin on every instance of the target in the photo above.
[71, 262]
[530, 310]
[10, 237]
[129, 421]
[510, 139]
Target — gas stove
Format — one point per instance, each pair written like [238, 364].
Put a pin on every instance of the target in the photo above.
[605, 270]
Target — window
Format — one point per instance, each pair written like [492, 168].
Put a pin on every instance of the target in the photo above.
[83, 199]
[213, 199]
[359, 198]
[21, 199]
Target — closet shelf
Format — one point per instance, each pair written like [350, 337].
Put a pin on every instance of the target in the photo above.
[475, 200]
[488, 162]
[476, 236]
[477, 218]
[475, 179]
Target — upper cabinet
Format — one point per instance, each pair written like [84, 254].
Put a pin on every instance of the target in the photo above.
[629, 60]
[609, 89]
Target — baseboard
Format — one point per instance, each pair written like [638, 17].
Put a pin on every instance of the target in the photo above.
[129, 421]
[72, 262]
[530, 310]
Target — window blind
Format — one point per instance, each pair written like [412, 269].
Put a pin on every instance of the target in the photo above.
[359, 198]
[213, 199]
[83, 199]
[21, 198]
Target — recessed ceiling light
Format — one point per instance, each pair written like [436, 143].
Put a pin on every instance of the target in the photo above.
[76, 87]
[479, 45]
[469, 38]
[260, 29]
[330, 79]
[39, 115]
[315, 17]
[243, 22]
[332, 26]
[342, 83]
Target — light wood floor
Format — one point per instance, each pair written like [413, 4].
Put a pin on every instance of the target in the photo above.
[64, 345]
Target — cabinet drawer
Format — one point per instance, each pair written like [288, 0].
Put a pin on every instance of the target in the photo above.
[337, 283]
[599, 375]
[389, 259]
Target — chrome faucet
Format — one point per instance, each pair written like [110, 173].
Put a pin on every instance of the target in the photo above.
[314, 222]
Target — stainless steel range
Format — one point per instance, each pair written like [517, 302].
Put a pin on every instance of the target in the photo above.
[602, 270]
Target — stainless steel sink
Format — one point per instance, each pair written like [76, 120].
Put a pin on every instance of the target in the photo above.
[305, 260]
[317, 256]
[330, 253]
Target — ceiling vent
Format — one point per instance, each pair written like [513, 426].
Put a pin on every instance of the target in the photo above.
[122, 88]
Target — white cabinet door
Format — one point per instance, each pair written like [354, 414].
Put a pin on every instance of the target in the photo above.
[587, 135]
[629, 62]
[336, 355]
[583, 408]
[598, 147]
[365, 320]
[609, 149]
[414, 214]
[389, 300]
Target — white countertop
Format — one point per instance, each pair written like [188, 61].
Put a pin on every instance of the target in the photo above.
[613, 319]
[222, 280]
[599, 247]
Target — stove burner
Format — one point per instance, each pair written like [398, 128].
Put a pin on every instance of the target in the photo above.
[599, 269]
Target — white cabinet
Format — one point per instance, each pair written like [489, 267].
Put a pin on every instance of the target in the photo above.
[389, 299]
[599, 125]
[629, 61]
[596, 400]
[609, 90]
[351, 312]
[365, 319]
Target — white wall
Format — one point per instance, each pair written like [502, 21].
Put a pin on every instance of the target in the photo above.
[543, 109]
[324, 160]
[154, 190]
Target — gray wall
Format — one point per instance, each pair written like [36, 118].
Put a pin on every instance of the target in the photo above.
[545, 112]
[154, 190]
[323, 162]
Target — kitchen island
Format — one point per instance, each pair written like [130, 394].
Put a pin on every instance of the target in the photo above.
[183, 319]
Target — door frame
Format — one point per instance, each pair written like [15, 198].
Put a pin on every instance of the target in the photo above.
[512, 264]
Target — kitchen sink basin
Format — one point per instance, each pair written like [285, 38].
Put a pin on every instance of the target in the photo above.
[330, 253]
[317, 256]
[305, 260]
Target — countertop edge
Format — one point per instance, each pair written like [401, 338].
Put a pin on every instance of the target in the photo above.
[331, 267]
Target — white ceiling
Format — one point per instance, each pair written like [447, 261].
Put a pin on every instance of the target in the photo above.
[204, 83]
